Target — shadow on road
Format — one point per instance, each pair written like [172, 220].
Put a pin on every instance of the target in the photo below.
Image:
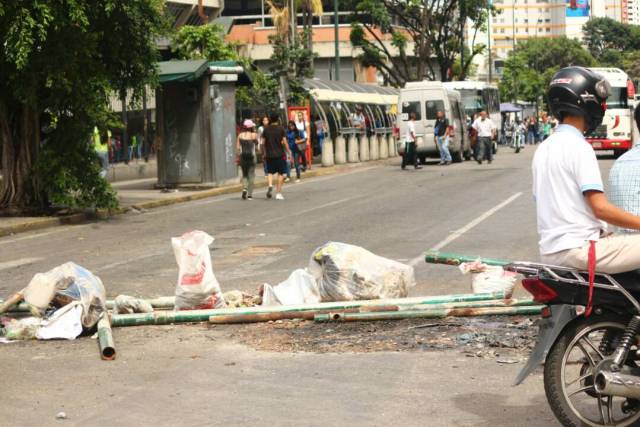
[495, 411]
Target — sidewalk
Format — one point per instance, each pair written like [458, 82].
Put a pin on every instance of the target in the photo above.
[141, 194]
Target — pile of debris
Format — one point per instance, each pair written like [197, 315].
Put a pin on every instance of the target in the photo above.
[342, 283]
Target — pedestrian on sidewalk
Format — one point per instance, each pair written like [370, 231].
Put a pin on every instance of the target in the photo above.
[246, 144]
[275, 152]
[410, 153]
[295, 139]
[102, 150]
[264, 122]
[486, 133]
[441, 132]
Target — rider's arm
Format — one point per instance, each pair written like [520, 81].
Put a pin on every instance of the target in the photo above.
[610, 213]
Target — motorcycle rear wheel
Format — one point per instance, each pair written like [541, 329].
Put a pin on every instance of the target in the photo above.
[568, 375]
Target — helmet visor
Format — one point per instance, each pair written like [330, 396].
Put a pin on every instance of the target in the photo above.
[603, 89]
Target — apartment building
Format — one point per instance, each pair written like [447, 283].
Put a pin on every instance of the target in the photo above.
[520, 20]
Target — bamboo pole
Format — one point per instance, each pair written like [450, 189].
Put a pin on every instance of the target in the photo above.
[186, 316]
[310, 315]
[11, 302]
[105, 339]
[303, 315]
[429, 314]
[450, 258]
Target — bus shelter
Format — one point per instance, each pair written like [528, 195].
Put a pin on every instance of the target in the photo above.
[337, 103]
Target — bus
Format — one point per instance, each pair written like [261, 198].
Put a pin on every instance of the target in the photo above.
[615, 132]
[479, 96]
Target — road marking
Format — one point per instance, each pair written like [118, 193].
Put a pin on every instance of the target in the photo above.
[315, 208]
[459, 232]
[17, 263]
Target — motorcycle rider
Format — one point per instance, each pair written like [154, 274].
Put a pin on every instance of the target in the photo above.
[572, 209]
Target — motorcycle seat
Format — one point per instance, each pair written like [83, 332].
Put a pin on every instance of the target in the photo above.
[629, 280]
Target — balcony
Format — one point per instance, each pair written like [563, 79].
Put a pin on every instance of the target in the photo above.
[185, 12]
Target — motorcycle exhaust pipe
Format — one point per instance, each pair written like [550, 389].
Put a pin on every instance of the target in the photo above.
[617, 384]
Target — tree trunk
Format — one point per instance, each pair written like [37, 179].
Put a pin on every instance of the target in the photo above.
[20, 134]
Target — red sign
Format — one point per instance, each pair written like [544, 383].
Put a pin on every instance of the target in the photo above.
[302, 117]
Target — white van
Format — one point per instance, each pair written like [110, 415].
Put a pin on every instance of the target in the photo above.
[425, 99]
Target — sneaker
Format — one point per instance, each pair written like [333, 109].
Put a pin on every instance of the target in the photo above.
[447, 163]
[249, 197]
[279, 197]
[418, 167]
[244, 194]
[403, 167]
[297, 180]
[287, 179]
[441, 163]
[269, 191]
[479, 162]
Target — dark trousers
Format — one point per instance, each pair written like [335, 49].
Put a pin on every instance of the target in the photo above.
[410, 156]
[485, 149]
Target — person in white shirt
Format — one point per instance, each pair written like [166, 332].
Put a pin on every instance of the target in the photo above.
[486, 130]
[410, 155]
[572, 210]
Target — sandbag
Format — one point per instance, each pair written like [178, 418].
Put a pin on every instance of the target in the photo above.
[197, 287]
[346, 272]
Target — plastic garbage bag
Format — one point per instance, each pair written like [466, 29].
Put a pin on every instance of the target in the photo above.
[64, 323]
[197, 287]
[21, 329]
[346, 272]
[487, 278]
[299, 288]
[124, 304]
[64, 284]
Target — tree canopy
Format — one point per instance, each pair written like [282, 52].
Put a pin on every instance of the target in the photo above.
[402, 37]
[528, 70]
[614, 44]
[203, 42]
[60, 61]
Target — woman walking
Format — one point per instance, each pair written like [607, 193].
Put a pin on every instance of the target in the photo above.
[294, 138]
[246, 149]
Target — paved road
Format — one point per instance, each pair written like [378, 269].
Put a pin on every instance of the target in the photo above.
[168, 376]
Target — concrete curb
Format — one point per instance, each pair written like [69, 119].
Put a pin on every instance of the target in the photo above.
[40, 223]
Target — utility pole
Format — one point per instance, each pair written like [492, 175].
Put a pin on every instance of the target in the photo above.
[336, 31]
[489, 44]
[513, 49]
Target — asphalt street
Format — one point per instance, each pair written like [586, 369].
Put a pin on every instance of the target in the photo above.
[174, 376]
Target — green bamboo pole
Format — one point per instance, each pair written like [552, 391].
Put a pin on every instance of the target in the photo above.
[525, 302]
[429, 314]
[450, 258]
[105, 339]
[186, 316]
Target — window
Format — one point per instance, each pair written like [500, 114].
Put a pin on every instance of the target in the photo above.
[501, 30]
[409, 107]
[539, 30]
[432, 107]
[547, 20]
[548, 30]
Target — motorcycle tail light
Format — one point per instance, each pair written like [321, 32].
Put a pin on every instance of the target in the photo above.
[545, 313]
[541, 292]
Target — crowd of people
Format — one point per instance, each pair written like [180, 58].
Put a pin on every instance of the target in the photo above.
[283, 149]
[532, 130]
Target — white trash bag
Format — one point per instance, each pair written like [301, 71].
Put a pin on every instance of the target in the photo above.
[299, 288]
[347, 272]
[487, 278]
[197, 287]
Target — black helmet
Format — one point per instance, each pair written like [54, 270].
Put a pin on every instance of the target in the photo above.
[579, 92]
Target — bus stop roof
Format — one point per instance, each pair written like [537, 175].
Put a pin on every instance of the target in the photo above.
[182, 71]
[357, 93]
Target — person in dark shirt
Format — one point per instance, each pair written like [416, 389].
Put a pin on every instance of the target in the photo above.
[441, 133]
[275, 152]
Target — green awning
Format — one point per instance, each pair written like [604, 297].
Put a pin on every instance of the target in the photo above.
[182, 71]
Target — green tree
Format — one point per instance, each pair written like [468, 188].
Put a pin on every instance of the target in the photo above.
[385, 30]
[614, 44]
[59, 62]
[529, 68]
[261, 95]
[203, 42]
[294, 62]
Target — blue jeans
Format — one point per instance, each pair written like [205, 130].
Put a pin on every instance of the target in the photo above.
[531, 137]
[296, 163]
[443, 147]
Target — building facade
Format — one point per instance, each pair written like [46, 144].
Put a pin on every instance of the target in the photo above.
[519, 20]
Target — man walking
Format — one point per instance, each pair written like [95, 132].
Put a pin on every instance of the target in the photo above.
[441, 133]
[275, 152]
[486, 133]
[410, 151]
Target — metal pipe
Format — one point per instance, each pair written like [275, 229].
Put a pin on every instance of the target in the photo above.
[105, 339]
[450, 258]
[431, 314]
[161, 303]
[471, 304]
[617, 384]
[304, 315]
[165, 317]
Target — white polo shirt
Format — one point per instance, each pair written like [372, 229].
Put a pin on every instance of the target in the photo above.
[484, 127]
[411, 131]
[564, 167]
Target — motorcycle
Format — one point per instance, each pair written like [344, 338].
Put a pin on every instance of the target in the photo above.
[591, 352]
